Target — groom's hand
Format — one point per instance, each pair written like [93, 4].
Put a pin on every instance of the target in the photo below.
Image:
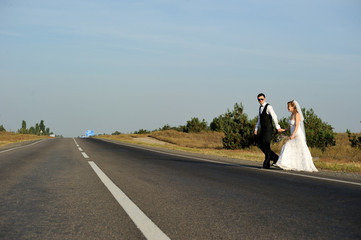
[255, 132]
[281, 130]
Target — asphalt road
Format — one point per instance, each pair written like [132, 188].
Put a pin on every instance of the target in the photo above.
[52, 190]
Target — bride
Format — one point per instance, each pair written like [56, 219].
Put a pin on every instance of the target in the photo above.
[295, 154]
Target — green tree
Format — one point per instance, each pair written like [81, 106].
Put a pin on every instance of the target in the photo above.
[319, 134]
[142, 131]
[216, 124]
[32, 130]
[354, 140]
[42, 127]
[238, 130]
[23, 129]
[23, 125]
[194, 125]
[37, 129]
[166, 127]
[2, 129]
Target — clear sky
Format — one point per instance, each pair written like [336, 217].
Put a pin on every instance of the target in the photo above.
[125, 65]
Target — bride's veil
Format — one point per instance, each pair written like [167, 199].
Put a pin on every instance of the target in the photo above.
[299, 110]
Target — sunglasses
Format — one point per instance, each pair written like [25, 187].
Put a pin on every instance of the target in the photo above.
[260, 99]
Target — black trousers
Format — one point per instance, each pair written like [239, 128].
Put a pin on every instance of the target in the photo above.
[264, 143]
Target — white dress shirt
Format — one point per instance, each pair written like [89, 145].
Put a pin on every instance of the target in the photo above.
[269, 111]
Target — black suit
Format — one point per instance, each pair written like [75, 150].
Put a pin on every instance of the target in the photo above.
[265, 137]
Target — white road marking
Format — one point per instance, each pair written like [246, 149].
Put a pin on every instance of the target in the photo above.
[76, 143]
[80, 149]
[233, 164]
[8, 150]
[145, 225]
[85, 155]
[320, 178]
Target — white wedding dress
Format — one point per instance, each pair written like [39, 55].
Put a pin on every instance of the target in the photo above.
[295, 154]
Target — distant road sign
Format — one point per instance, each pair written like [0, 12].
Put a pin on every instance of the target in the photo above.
[89, 133]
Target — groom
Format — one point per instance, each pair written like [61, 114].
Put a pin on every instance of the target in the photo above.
[265, 117]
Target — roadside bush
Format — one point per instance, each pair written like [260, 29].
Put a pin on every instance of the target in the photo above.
[2, 129]
[238, 130]
[194, 125]
[216, 124]
[319, 134]
[169, 127]
[142, 131]
[165, 127]
[354, 140]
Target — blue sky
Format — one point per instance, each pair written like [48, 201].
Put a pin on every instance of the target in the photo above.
[126, 65]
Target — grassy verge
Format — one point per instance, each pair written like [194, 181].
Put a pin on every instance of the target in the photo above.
[11, 137]
[191, 140]
[341, 157]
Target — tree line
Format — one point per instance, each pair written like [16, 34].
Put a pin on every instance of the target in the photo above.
[39, 129]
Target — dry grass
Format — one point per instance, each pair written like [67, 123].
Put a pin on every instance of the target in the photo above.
[193, 140]
[342, 152]
[11, 137]
[341, 157]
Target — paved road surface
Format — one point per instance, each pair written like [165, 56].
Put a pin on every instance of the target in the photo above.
[58, 189]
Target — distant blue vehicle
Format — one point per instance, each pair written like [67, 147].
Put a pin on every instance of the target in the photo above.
[89, 133]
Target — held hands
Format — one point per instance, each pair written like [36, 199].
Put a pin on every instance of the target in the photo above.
[281, 130]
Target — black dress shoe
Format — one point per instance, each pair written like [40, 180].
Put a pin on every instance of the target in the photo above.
[266, 164]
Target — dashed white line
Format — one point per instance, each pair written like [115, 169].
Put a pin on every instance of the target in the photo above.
[145, 225]
[85, 155]
[76, 142]
[80, 149]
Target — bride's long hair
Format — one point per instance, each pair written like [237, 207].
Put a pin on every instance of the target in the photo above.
[292, 104]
